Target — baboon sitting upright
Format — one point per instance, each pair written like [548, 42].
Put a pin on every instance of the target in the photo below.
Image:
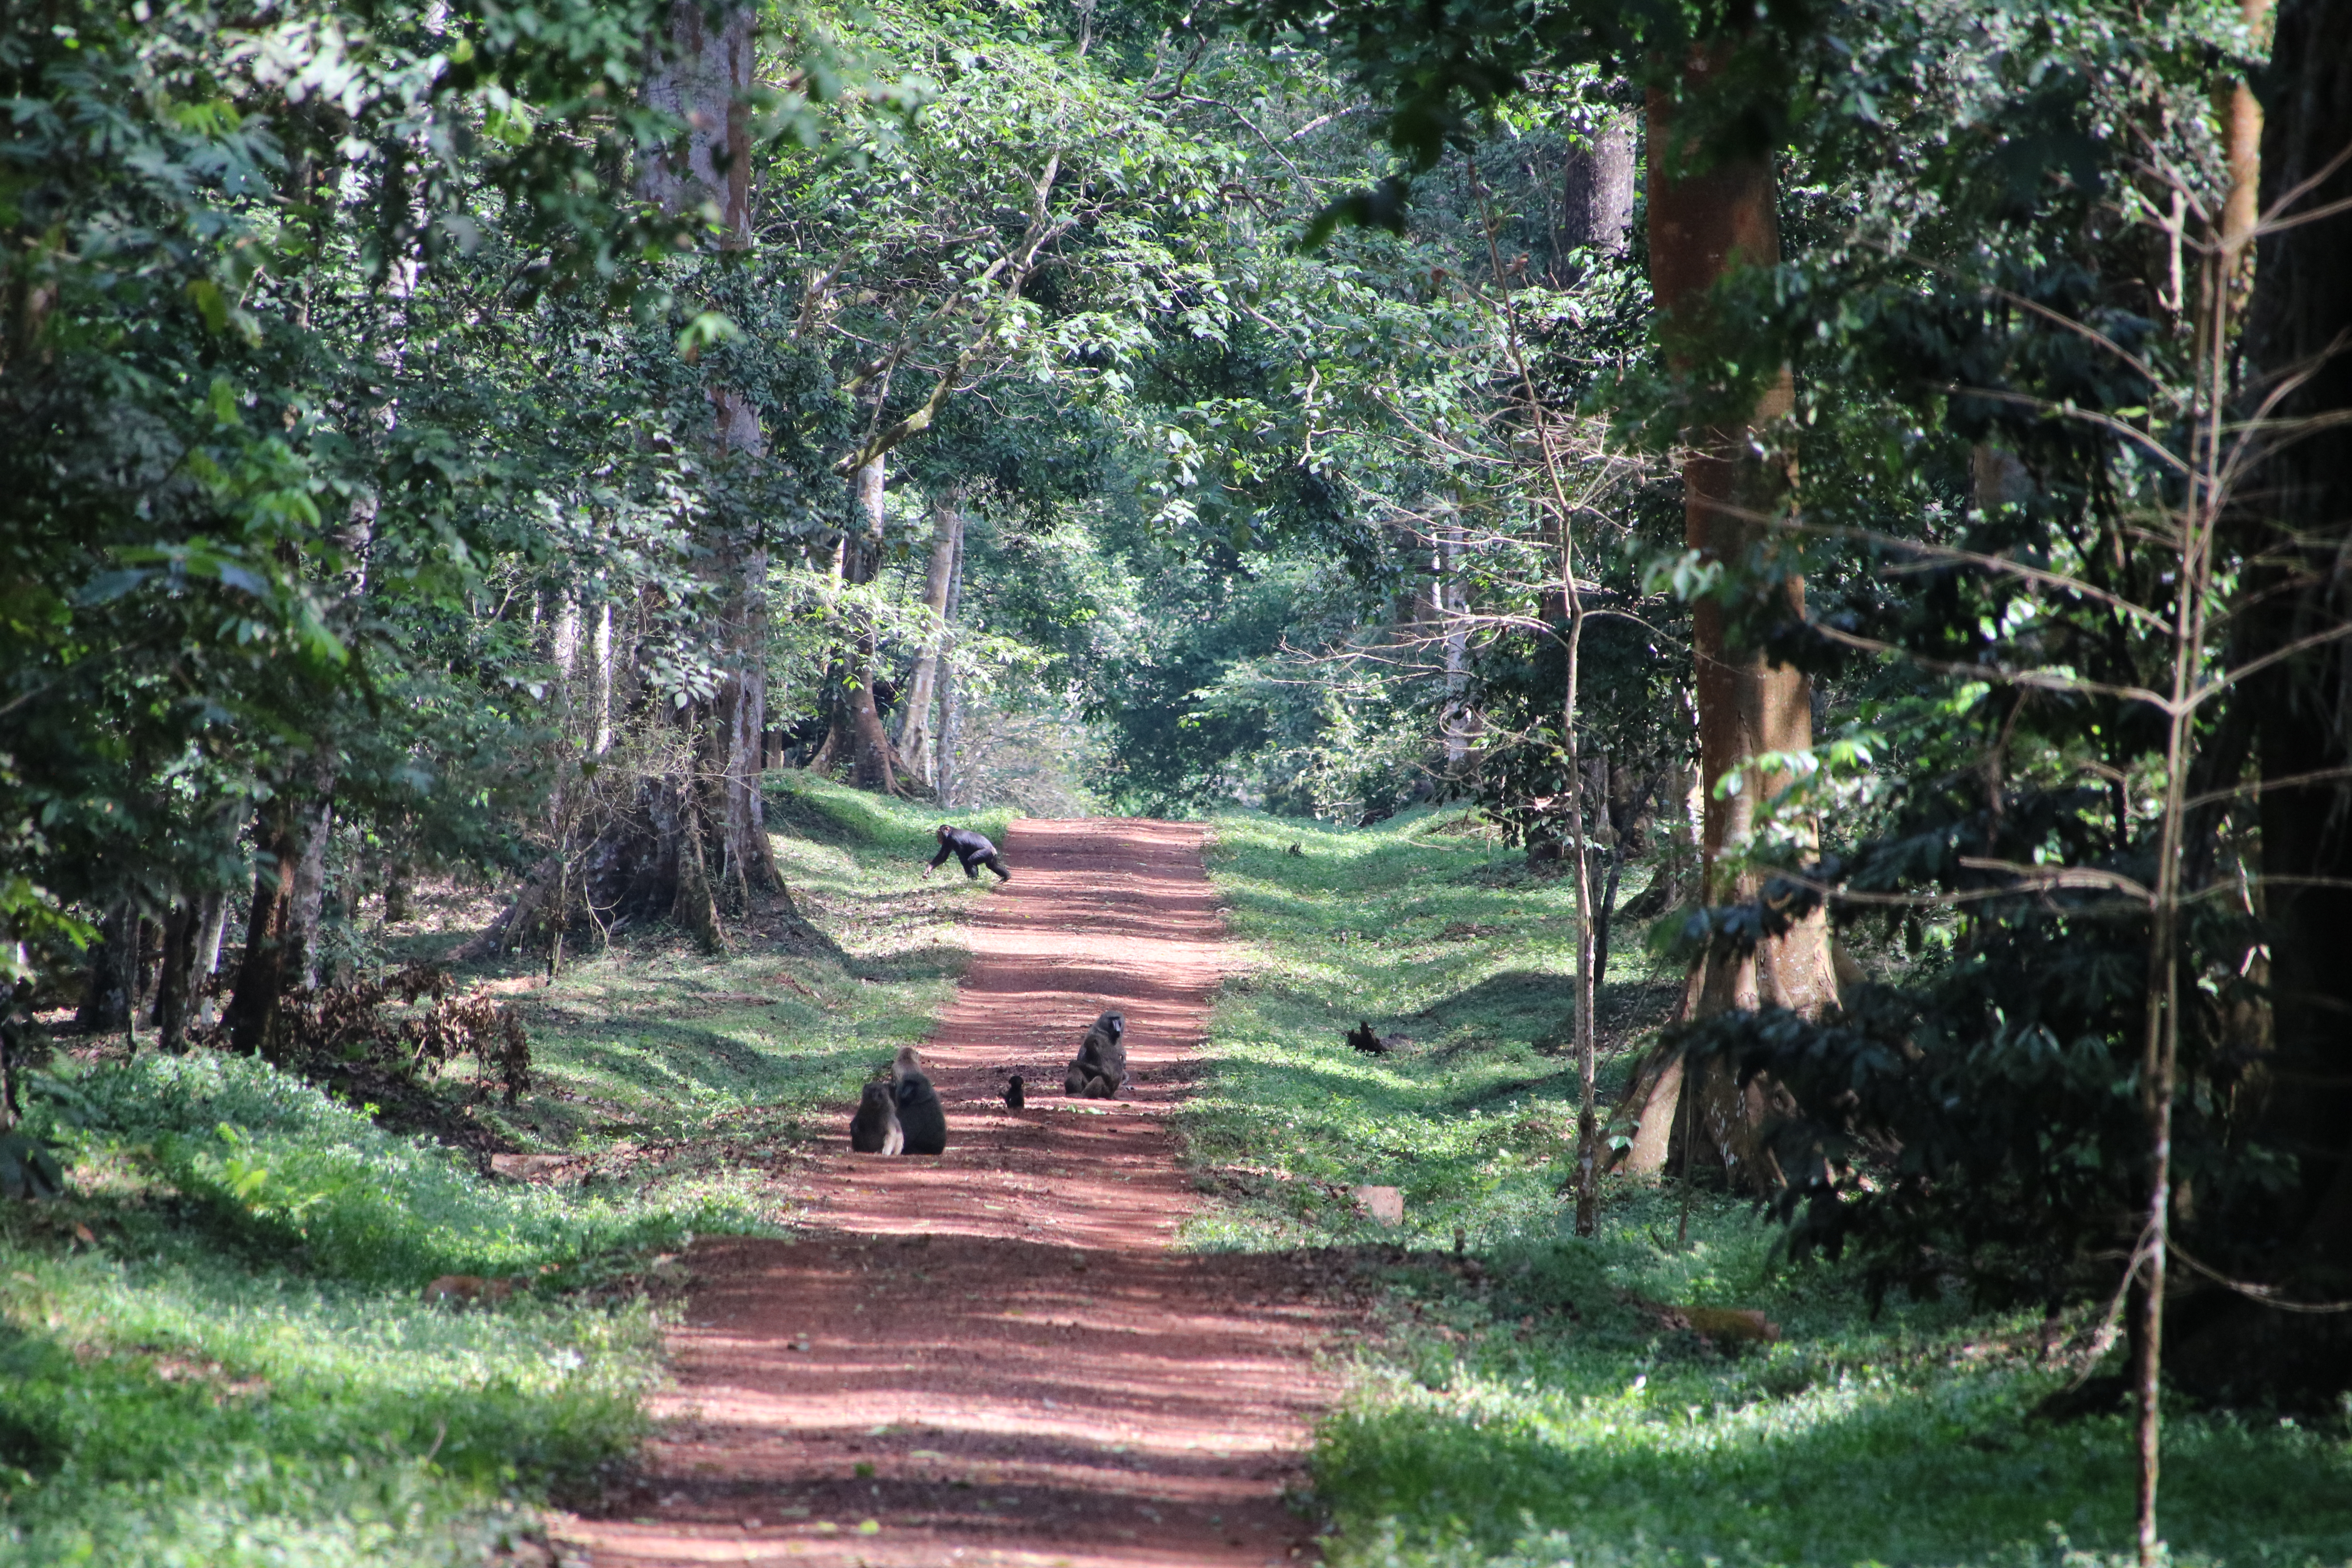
[875, 1129]
[920, 1116]
[1100, 1065]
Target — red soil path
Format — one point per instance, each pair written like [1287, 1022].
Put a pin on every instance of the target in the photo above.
[994, 1357]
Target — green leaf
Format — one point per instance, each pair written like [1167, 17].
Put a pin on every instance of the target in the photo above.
[210, 303]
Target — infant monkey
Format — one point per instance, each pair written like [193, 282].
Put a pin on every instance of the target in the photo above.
[1100, 1065]
[972, 849]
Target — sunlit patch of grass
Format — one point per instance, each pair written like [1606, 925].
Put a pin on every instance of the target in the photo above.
[1521, 1404]
[215, 1350]
[651, 1039]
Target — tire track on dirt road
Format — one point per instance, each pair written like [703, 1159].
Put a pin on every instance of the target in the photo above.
[994, 1357]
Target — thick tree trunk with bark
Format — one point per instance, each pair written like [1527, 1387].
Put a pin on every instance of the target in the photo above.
[273, 947]
[1599, 189]
[1705, 222]
[687, 839]
[175, 979]
[917, 736]
[869, 743]
[2300, 321]
[106, 996]
[951, 784]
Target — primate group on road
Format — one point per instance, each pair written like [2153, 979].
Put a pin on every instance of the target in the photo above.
[902, 1114]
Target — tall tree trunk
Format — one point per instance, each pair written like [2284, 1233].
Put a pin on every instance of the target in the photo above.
[269, 955]
[916, 741]
[601, 676]
[106, 997]
[868, 743]
[1598, 188]
[951, 784]
[1448, 604]
[703, 78]
[310, 897]
[1706, 222]
[208, 939]
[2300, 320]
[175, 982]
[206, 959]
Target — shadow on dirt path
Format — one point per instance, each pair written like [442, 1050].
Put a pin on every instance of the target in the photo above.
[993, 1357]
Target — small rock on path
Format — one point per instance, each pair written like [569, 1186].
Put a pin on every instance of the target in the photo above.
[994, 1357]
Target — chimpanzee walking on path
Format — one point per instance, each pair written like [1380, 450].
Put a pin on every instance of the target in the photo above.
[972, 849]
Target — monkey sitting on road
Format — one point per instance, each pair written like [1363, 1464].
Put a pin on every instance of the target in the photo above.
[970, 849]
[1100, 1065]
[1013, 1096]
[920, 1116]
[875, 1129]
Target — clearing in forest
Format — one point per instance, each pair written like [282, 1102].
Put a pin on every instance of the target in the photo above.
[995, 1356]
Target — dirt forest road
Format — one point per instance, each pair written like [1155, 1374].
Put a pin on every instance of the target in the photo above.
[994, 1357]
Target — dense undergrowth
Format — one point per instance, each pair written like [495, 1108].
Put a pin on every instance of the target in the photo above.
[214, 1349]
[1525, 1403]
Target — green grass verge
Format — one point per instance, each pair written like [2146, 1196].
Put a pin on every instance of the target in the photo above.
[214, 1350]
[1517, 1403]
[654, 1045]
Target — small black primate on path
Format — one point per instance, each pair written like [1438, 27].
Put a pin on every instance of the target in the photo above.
[972, 849]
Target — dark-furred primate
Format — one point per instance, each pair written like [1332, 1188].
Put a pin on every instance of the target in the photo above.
[972, 849]
[875, 1129]
[1013, 1096]
[921, 1117]
[1101, 1067]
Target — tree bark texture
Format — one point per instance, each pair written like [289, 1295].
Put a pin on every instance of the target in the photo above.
[702, 77]
[310, 897]
[952, 785]
[106, 999]
[175, 980]
[1705, 222]
[1448, 604]
[916, 734]
[273, 948]
[2300, 320]
[869, 743]
[1599, 189]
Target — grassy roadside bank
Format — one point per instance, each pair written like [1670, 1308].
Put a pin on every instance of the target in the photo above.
[214, 1349]
[1523, 1404]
